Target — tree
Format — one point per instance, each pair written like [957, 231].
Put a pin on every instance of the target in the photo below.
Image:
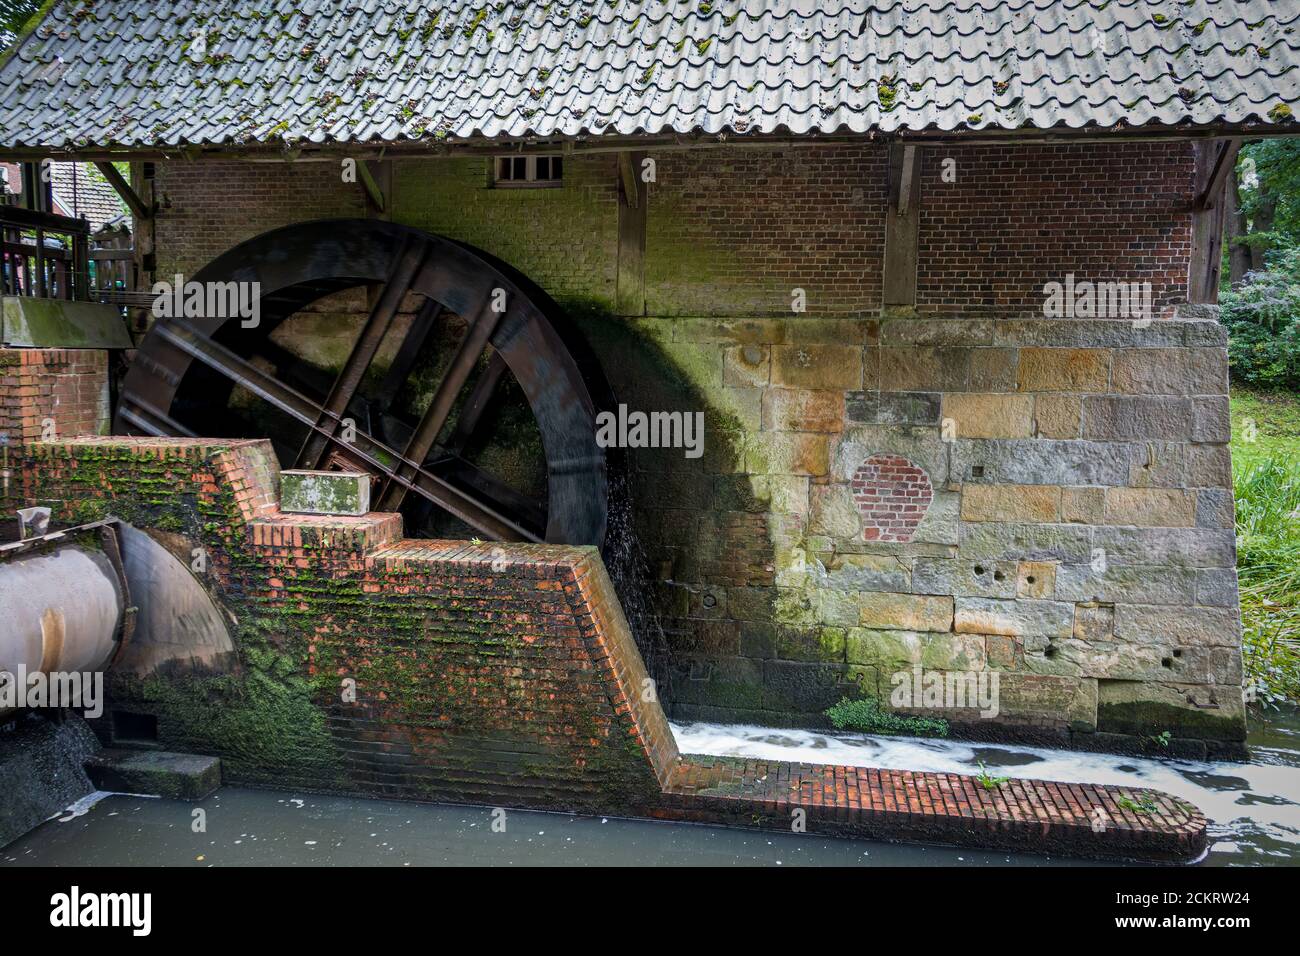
[14, 15]
[1263, 214]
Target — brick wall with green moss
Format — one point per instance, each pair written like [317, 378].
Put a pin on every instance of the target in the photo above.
[415, 669]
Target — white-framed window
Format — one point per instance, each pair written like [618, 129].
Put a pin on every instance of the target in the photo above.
[534, 172]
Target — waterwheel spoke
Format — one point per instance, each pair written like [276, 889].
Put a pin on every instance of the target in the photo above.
[484, 516]
[480, 397]
[407, 353]
[465, 474]
[363, 352]
[426, 433]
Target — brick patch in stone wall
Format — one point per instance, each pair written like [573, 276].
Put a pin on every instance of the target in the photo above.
[893, 495]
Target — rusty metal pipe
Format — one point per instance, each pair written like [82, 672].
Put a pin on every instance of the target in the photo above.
[60, 610]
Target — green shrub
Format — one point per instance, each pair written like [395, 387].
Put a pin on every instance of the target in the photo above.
[866, 716]
[1263, 321]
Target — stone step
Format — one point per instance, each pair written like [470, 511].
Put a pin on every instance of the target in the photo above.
[157, 773]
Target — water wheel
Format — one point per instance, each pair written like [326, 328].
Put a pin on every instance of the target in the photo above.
[459, 386]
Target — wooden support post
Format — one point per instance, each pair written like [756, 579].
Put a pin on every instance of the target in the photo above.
[902, 225]
[1215, 162]
[129, 196]
[374, 191]
[633, 201]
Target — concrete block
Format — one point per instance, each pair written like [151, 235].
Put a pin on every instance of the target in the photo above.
[325, 492]
[155, 772]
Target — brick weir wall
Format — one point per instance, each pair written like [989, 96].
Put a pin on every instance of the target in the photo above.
[486, 674]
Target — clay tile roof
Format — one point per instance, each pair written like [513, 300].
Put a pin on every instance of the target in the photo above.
[86, 195]
[228, 72]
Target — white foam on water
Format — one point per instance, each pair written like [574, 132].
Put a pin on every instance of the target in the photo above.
[1242, 800]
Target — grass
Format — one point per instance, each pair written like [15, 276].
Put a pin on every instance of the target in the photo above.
[1266, 478]
[868, 717]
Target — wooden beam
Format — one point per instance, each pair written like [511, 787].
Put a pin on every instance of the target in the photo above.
[902, 224]
[1214, 161]
[123, 189]
[1225, 161]
[375, 193]
[633, 203]
[627, 174]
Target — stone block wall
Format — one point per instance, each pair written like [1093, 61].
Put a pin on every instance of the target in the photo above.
[1049, 500]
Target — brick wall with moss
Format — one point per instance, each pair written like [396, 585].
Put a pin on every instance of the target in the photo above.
[423, 670]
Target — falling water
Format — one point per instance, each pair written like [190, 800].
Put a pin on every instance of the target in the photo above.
[629, 568]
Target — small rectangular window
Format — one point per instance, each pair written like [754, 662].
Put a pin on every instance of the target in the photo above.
[529, 171]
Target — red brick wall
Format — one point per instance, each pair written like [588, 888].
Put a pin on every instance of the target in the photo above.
[732, 232]
[893, 495]
[68, 386]
[1017, 217]
[209, 207]
[482, 673]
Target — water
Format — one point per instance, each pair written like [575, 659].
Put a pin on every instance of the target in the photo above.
[1254, 808]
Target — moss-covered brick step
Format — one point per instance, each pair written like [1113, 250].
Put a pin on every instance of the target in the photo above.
[155, 772]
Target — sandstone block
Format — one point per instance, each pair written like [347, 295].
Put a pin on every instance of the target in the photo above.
[907, 612]
[989, 414]
[1064, 370]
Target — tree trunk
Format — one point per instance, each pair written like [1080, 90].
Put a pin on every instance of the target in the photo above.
[1262, 222]
[1235, 223]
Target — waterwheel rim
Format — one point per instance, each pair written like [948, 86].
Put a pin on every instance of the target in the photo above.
[296, 265]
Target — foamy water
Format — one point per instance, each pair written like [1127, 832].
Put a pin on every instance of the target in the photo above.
[1252, 806]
